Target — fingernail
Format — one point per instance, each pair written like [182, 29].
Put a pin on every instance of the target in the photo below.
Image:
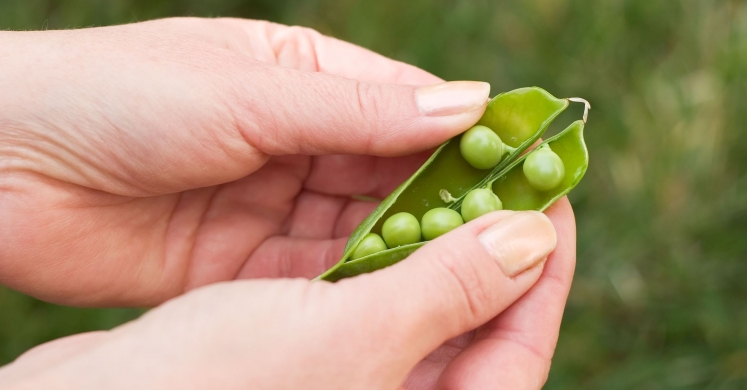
[519, 241]
[454, 97]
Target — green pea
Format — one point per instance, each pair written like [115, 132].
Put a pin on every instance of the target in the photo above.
[371, 243]
[543, 169]
[480, 202]
[438, 221]
[481, 147]
[401, 229]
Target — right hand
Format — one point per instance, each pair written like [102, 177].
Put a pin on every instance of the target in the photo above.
[407, 325]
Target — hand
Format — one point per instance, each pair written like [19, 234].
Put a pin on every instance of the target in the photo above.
[374, 331]
[141, 161]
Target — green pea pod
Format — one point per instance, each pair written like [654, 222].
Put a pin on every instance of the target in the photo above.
[510, 185]
[519, 117]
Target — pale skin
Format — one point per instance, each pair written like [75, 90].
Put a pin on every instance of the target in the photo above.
[206, 167]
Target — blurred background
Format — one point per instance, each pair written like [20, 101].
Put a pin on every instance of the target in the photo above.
[660, 295]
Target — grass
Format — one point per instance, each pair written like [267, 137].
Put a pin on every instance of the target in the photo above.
[659, 296]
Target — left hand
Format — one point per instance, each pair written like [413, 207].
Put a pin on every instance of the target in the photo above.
[138, 162]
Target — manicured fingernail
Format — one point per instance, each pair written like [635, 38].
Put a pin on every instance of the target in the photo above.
[519, 241]
[454, 97]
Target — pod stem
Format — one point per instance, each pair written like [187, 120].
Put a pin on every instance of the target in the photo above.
[446, 196]
[587, 106]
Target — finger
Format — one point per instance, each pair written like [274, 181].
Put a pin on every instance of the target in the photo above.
[540, 327]
[367, 175]
[282, 111]
[374, 84]
[513, 351]
[238, 218]
[287, 112]
[315, 215]
[352, 216]
[318, 216]
[305, 49]
[455, 283]
[426, 373]
[283, 257]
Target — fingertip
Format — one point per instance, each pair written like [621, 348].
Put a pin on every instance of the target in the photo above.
[520, 241]
[455, 280]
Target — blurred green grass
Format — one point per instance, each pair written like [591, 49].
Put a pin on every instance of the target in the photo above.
[660, 299]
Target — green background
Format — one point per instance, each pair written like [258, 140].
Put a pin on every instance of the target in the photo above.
[659, 300]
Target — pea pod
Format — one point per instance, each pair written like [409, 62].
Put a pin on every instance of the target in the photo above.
[518, 117]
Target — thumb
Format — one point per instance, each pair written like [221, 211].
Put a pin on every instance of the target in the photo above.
[180, 116]
[294, 112]
[455, 283]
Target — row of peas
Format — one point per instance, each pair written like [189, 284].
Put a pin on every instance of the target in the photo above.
[482, 148]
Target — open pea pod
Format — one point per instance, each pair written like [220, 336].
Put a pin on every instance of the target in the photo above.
[512, 188]
[519, 117]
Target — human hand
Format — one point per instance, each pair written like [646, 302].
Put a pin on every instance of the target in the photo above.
[382, 330]
[141, 161]
[135, 168]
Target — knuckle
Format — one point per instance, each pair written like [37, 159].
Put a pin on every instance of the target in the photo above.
[369, 102]
[368, 111]
[296, 47]
[385, 111]
[305, 32]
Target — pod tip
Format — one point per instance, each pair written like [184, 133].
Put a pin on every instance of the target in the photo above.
[587, 106]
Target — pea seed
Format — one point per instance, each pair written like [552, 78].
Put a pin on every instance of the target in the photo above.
[480, 202]
[543, 169]
[439, 221]
[371, 243]
[481, 147]
[401, 229]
